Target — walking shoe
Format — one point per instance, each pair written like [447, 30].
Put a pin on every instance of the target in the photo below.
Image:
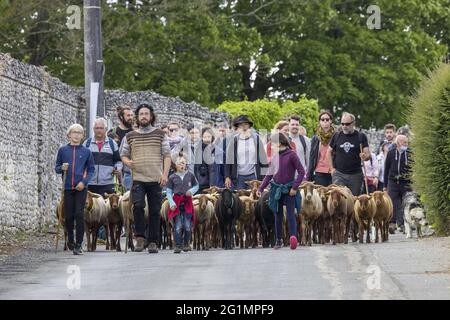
[278, 245]
[139, 244]
[77, 250]
[186, 247]
[71, 246]
[177, 249]
[293, 242]
[152, 248]
[401, 229]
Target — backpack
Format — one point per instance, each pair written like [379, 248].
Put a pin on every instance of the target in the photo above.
[111, 143]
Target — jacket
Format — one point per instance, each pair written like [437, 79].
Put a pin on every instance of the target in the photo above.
[81, 165]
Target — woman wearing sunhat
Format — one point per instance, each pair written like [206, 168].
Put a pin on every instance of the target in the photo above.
[246, 157]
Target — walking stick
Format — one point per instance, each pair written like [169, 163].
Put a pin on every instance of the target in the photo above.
[364, 170]
[59, 212]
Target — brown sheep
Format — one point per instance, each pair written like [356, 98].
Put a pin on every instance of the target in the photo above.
[114, 219]
[323, 223]
[365, 209]
[341, 207]
[383, 215]
[246, 223]
[204, 213]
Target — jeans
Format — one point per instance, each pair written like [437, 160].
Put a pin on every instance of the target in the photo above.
[352, 181]
[154, 196]
[74, 202]
[182, 224]
[396, 191]
[240, 183]
[289, 201]
[323, 179]
[127, 181]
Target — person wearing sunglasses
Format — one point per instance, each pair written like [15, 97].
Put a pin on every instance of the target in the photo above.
[344, 155]
[319, 169]
[175, 138]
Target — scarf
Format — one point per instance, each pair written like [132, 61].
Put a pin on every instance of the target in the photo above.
[324, 136]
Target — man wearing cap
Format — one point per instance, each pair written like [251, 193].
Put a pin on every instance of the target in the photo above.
[246, 157]
[146, 151]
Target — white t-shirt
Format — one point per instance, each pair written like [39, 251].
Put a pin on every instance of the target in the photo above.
[246, 156]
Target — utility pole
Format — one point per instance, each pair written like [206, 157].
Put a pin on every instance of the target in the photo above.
[93, 62]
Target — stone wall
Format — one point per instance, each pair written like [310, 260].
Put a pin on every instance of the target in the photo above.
[35, 112]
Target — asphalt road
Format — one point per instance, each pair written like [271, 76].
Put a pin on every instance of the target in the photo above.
[400, 269]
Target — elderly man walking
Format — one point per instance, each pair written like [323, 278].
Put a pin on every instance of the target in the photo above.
[344, 155]
[106, 159]
[397, 180]
[146, 151]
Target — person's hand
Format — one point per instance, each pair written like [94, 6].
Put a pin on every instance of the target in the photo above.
[80, 186]
[188, 194]
[227, 183]
[116, 172]
[292, 192]
[258, 194]
[332, 170]
[362, 155]
[385, 189]
[173, 207]
[65, 166]
[162, 180]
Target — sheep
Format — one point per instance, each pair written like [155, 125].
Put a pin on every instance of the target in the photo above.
[383, 215]
[204, 213]
[114, 219]
[311, 210]
[341, 207]
[323, 223]
[94, 217]
[365, 209]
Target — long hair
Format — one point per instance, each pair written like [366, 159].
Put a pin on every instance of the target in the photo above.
[152, 113]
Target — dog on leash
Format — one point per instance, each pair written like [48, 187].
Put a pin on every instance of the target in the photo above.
[414, 214]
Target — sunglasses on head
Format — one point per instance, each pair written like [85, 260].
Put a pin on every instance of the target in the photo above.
[346, 123]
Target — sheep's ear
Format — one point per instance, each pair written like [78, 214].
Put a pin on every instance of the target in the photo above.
[106, 195]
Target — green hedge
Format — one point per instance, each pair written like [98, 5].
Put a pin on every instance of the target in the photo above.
[430, 122]
[266, 113]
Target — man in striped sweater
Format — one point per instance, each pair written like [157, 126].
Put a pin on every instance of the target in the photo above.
[146, 151]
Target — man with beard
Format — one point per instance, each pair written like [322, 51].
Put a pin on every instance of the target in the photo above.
[146, 151]
[125, 115]
[344, 155]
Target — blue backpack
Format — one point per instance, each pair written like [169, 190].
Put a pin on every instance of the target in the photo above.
[111, 143]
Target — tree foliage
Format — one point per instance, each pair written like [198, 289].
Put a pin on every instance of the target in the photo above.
[430, 122]
[216, 51]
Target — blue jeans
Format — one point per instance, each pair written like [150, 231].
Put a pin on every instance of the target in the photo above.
[289, 201]
[127, 181]
[183, 223]
[240, 183]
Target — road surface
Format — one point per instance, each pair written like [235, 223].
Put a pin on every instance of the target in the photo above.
[400, 269]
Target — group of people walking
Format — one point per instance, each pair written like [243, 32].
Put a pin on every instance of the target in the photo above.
[177, 162]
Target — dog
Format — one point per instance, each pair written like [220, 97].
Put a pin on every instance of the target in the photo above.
[414, 214]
